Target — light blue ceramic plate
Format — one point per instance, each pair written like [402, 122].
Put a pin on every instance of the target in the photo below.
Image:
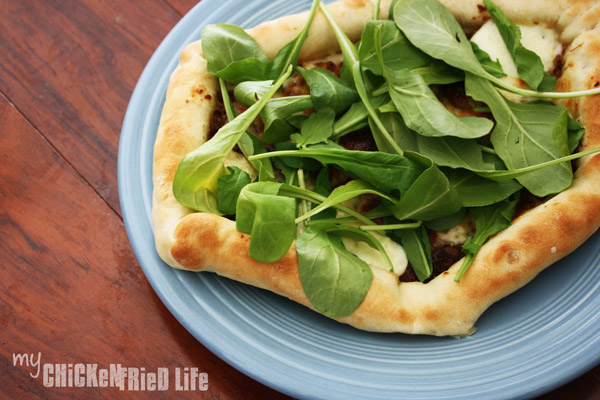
[531, 342]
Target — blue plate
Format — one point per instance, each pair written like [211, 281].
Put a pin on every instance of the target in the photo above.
[531, 342]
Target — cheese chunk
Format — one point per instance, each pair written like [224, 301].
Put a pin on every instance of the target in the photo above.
[542, 40]
[537, 38]
[374, 258]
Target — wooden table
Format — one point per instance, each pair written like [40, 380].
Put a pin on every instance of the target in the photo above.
[71, 290]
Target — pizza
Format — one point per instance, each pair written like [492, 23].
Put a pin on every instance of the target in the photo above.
[397, 166]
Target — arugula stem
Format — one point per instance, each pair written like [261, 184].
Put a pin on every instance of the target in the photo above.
[412, 225]
[296, 192]
[381, 90]
[465, 266]
[532, 93]
[488, 150]
[304, 203]
[376, 10]
[509, 174]
[351, 59]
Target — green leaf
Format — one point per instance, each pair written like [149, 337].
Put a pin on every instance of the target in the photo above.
[398, 52]
[232, 54]
[195, 181]
[476, 191]
[418, 251]
[344, 193]
[334, 280]
[290, 53]
[444, 151]
[352, 72]
[356, 234]
[327, 90]
[429, 197]
[268, 218]
[424, 113]
[526, 135]
[447, 222]
[489, 220]
[492, 67]
[248, 93]
[439, 73]
[248, 143]
[355, 118]
[432, 28]
[316, 129]
[529, 65]
[575, 132]
[229, 187]
[387, 172]
[275, 115]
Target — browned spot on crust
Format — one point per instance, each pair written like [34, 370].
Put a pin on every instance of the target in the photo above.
[481, 8]
[513, 257]
[356, 4]
[198, 90]
[208, 97]
[188, 250]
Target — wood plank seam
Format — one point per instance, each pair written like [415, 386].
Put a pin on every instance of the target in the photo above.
[54, 148]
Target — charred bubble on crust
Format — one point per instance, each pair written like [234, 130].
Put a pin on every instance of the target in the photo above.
[558, 65]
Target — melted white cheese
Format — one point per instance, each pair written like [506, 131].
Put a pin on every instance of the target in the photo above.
[374, 258]
[542, 40]
[537, 38]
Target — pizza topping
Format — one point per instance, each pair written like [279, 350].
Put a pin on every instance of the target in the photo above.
[427, 164]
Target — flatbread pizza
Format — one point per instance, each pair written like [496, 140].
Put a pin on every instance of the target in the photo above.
[397, 166]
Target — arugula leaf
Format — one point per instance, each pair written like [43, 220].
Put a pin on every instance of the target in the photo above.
[575, 132]
[398, 52]
[327, 90]
[316, 129]
[489, 220]
[526, 135]
[447, 222]
[492, 67]
[248, 92]
[476, 191]
[290, 53]
[268, 218]
[439, 73]
[444, 151]
[430, 196]
[424, 113]
[387, 172]
[356, 234]
[432, 28]
[355, 118]
[195, 181]
[343, 193]
[529, 65]
[232, 54]
[418, 251]
[352, 72]
[334, 280]
[229, 187]
[275, 115]
[248, 143]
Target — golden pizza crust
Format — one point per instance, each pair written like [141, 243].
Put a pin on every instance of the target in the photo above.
[200, 241]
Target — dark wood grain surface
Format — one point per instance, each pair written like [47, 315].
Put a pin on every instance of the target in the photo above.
[71, 290]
